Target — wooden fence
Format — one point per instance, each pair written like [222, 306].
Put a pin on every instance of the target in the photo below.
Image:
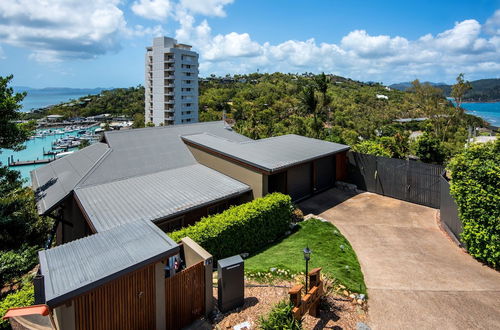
[185, 296]
[125, 303]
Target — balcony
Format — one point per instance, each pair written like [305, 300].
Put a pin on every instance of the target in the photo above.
[170, 68]
[169, 118]
[169, 102]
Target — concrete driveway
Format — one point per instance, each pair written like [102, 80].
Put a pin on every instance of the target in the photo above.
[416, 277]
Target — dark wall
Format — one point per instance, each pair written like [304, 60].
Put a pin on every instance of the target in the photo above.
[74, 224]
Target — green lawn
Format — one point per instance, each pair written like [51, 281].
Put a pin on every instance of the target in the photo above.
[325, 241]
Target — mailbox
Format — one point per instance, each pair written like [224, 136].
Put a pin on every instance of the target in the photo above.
[231, 283]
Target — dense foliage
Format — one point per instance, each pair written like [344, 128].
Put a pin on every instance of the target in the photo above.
[280, 317]
[23, 297]
[335, 109]
[12, 135]
[244, 228]
[19, 220]
[15, 263]
[475, 186]
[22, 231]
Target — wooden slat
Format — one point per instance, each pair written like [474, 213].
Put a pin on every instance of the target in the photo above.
[119, 304]
[185, 296]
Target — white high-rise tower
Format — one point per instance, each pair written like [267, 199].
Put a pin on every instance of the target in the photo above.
[171, 87]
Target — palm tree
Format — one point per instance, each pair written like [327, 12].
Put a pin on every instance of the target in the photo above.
[310, 104]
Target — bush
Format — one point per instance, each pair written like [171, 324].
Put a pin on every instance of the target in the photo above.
[16, 263]
[23, 297]
[244, 228]
[475, 186]
[280, 317]
[372, 148]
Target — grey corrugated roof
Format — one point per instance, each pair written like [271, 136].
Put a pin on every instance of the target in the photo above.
[143, 151]
[76, 267]
[54, 181]
[270, 154]
[155, 196]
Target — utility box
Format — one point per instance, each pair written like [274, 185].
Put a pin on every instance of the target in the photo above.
[231, 283]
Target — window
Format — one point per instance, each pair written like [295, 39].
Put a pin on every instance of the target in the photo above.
[217, 208]
[170, 225]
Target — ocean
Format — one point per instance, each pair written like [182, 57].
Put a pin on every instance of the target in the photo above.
[39, 98]
[488, 111]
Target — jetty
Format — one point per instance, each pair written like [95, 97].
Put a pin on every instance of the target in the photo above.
[31, 162]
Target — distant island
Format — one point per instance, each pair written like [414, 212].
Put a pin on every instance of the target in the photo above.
[483, 90]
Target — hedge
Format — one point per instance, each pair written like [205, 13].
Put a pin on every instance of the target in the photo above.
[245, 228]
[23, 297]
[475, 186]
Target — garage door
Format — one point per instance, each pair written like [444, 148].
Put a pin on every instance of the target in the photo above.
[325, 173]
[299, 181]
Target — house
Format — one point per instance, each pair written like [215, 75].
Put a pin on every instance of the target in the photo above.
[112, 202]
[174, 175]
[54, 118]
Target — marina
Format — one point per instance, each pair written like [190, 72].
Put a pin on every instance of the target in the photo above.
[46, 145]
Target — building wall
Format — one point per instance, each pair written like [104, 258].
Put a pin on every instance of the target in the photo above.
[256, 180]
[341, 166]
[74, 225]
[159, 83]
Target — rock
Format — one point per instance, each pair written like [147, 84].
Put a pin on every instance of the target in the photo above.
[360, 302]
[361, 296]
[352, 295]
[345, 292]
[341, 286]
[273, 269]
[362, 326]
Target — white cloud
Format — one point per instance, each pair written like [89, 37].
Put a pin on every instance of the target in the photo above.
[206, 7]
[153, 9]
[462, 48]
[2, 54]
[492, 25]
[62, 29]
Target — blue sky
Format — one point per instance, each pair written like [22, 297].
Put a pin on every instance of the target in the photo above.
[100, 43]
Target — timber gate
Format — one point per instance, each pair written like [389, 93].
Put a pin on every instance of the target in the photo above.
[185, 296]
[407, 180]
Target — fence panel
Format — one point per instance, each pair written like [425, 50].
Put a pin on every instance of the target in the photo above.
[402, 179]
[185, 296]
[449, 210]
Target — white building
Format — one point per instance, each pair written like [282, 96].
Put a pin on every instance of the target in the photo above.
[171, 87]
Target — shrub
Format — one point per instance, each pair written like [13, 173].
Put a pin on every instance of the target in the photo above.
[23, 297]
[243, 228]
[372, 148]
[280, 317]
[475, 186]
[16, 263]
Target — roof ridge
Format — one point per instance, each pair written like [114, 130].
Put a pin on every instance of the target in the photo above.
[93, 167]
[166, 127]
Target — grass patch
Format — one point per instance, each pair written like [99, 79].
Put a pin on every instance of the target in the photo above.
[326, 242]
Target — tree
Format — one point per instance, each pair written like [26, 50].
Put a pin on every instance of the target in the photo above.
[459, 89]
[138, 120]
[83, 144]
[19, 221]
[12, 134]
[310, 104]
[429, 149]
[150, 124]
[372, 148]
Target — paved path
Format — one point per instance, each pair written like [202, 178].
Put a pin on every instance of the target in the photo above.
[416, 277]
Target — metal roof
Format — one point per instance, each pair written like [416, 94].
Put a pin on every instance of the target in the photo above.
[79, 266]
[127, 154]
[156, 196]
[269, 154]
[148, 150]
[54, 181]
